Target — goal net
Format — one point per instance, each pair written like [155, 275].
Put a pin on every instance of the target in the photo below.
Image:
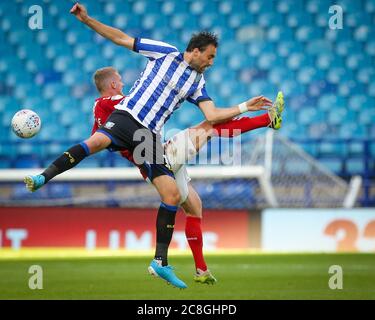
[263, 171]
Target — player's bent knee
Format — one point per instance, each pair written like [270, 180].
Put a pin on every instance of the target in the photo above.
[172, 197]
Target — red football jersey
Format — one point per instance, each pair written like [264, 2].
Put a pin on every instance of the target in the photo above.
[103, 107]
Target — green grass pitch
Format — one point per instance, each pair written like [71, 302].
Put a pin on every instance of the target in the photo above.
[241, 276]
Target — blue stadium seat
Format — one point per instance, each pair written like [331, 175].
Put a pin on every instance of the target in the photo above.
[286, 48]
[317, 129]
[259, 6]
[65, 62]
[151, 21]
[60, 190]
[227, 7]
[198, 7]
[50, 37]
[370, 47]
[172, 7]
[367, 117]
[79, 132]
[333, 164]
[5, 162]
[319, 46]
[355, 148]
[279, 74]
[208, 20]
[355, 19]
[332, 149]
[309, 115]
[235, 20]
[285, 6]
[351, 6]
[144, 6]
[277, 33]
[307, 34]
[297, 60]
[371, 89]
[307, 75]
[358, 60]
[354, 166]
[365, 75]
[296, 19]
[267, 61]
[295, 167]
[92, 63]
[27, 162]
[183, 21]
[336, 115]
[52, 90]
[309, 148]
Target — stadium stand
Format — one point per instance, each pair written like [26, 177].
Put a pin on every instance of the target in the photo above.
[327, 76]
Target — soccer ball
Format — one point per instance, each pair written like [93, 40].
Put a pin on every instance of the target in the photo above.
[26, 123]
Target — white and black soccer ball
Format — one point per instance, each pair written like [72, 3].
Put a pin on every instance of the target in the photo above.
[26, 123]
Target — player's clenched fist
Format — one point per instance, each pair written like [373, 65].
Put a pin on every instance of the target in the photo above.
[80, 12]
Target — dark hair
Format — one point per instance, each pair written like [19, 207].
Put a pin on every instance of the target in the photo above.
[202, 40]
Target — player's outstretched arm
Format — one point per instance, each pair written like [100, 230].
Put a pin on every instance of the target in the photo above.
[216, 115]
[113, 34]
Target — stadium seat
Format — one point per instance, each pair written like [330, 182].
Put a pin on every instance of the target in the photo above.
[355, 166]
[235, 20]
[198, 7]
[183, 20]
[277, 33]
[208, 20]
[60, 190]
[152, 21]
[172, 7]
[355, 19]
[329, 149]
[333, 164]
[5, 162]
[27, 162]
[296, 19]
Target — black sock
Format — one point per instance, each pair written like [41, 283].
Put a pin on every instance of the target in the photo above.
[66, 161]
[164, 231]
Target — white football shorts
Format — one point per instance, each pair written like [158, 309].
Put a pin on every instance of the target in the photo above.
[178, 150]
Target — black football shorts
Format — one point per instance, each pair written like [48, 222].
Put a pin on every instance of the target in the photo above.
[126, 133]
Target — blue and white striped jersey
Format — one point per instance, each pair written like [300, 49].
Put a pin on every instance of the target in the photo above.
[166, 82]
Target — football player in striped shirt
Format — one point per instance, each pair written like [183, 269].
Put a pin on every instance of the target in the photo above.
[178, 150]
[170, 77]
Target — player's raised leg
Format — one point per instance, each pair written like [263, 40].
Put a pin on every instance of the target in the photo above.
[68, 160]
[235, 127]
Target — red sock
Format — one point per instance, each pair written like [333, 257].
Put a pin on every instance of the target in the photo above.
[193, 234]
[242, 125]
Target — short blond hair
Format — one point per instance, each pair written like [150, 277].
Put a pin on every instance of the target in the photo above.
[101, 77]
